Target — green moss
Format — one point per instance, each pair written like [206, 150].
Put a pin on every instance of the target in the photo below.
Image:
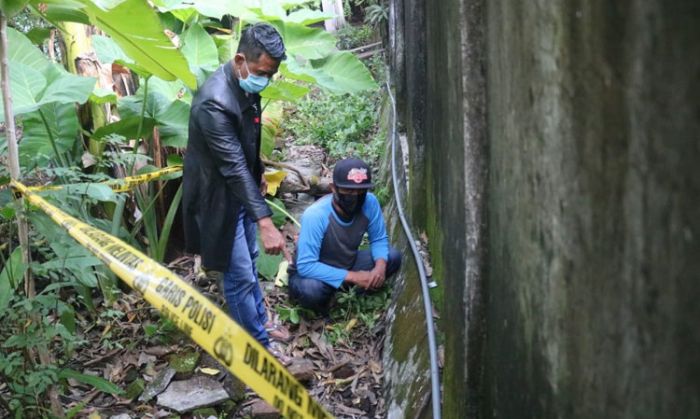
[205, 412]
[135, 389]
[184, 362]
[435, 241]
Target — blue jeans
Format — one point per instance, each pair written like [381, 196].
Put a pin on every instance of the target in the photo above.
[316, 295]
[241, 288]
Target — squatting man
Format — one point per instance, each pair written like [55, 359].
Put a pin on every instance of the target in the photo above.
[332, 229]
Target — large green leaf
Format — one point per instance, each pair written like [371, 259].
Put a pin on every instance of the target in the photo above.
[307, 16]
[57, 11]
[284, 90]
[219, 8]
[172, 117]
[98, 382]
[210, 8]
[96, 191]
[294, 71]
[171, 90]
[12, 7]
[272, 9]
[107, 50]
[64, 87]
[200, 50]
[35, 148]
[70, 257]
[31, 89]
[342, 72]
[100, 96]
[309, 43]
[226, 46]
[186, 15]
[126, 127]
[131, 105]
[11, 277]
[38, 35]
[136, 28]
[26, 84]
[23, 51]
[267, 264]
[288, 4]
[173, 124]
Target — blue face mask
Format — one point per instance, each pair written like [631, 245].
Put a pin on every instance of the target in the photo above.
[253, 83]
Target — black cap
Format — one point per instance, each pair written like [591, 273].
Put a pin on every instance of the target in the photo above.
[352, 174]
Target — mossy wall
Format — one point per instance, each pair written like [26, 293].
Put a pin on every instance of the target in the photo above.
[554, 154]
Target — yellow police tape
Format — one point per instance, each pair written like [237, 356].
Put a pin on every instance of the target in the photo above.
[122, 185]
[194, 314]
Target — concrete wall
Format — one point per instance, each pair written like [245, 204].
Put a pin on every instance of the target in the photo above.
[555, 164]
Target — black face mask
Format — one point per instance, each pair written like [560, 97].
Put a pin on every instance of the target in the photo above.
[350, 204]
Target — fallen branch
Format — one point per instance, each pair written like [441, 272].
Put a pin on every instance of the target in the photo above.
[102, 358]
[313, 186]
[287, 166]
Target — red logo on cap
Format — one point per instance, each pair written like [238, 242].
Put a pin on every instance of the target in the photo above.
[357, 175]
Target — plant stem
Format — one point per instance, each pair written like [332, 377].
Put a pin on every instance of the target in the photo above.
[267, 102]
[143, 114]
[12, 150]
[162, 244]
[118, 213]
[52, 140]
[143, 109]
[283, 211]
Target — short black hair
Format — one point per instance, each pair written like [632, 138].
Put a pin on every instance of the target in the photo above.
[259, 38]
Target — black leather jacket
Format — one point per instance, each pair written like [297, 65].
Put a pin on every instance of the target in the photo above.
[222, 167]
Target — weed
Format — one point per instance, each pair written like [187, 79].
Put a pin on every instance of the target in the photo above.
[293, 313]
[162, 332]
[383, 195]
[375, 14]
[337, 333]
[20, 334]
[343, 124]
[365, 306]
[350, 37]
[288, 314]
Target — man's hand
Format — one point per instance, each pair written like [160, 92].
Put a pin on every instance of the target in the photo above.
[263, 185]
[362, 279]
[271, 238]
[378, 274]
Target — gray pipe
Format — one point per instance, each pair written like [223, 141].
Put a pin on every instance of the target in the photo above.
[427, 305]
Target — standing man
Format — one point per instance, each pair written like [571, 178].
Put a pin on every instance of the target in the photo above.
[332, 229]
[224, 188]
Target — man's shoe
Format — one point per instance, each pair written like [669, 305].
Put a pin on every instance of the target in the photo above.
[278, 332]
[277, 351]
